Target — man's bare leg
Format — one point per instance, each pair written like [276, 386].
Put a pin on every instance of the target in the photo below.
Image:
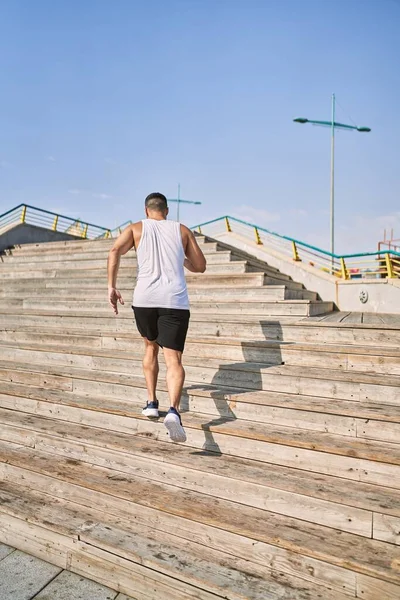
[175, 381]
[150, 370]
[175, 376]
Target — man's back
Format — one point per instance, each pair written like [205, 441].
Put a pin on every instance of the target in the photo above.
[160, 254]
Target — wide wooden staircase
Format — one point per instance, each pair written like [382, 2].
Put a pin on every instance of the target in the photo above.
[288, 487]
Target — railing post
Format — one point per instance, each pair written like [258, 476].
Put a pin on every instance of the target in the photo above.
[199, 230]
[258, 239]
[296, 256]
[228, 226]
[345, 274]
[85, 230]
[108, 234]
[389, 266]
[55, 223]
[23, 214]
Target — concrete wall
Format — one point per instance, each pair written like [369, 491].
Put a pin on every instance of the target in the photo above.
[24, 233]
[383, 295]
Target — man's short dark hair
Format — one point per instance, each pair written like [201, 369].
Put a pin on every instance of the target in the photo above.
[156, 201]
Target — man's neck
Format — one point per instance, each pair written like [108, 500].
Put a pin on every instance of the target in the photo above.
[157, 217]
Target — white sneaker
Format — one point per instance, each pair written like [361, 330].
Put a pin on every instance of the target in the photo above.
[173, 423]
[151, 410]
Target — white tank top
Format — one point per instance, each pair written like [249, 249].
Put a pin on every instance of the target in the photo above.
[160, 255]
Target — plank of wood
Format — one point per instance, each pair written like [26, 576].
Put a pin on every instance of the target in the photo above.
[377, 430]
[224, 400]
[83, 359]
[69, 519]
[247, 581]
[391, 319]
[132, 579]
[335, 317]
[157, 462]
[290, 503]
[277, 453]
[28, 505]
[37, 379]
[370, 588]
[22, 576]
[372, 319]
[339, 548]
[387, 528]
[255, 437]
[67, 586]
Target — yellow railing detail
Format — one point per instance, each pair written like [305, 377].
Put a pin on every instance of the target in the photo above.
[345, 274]
[108, 234]
[296, 256]
[228, 226]
[258, 239]
[85, 230]
[199, 230]
[23, 214]
[55, 223]
[389, 266]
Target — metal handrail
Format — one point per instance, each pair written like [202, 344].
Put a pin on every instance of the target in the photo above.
[342, 265]
[26, 213]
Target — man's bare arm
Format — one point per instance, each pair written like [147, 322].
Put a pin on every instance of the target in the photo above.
[122, 245]
[195, 260]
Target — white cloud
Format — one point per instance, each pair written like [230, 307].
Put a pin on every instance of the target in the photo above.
[102, 196]
[50, 158]
[99, 195]
[258, 216]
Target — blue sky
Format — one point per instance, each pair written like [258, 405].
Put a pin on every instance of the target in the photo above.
[103, 101]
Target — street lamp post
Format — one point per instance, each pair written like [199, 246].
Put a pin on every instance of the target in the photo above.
[179, 201]
[333, 125]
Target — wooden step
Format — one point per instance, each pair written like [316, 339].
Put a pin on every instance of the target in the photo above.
[302, 330]
[366, 460]
[200, 279]
[227, 306]
[98, 259]
[353, 358]
[70, 262]
[144, 560]
[320, 499]
[266, 293]
[121, 496]
[127, 262]
[328, 383]
[366, 420]
[71, 271]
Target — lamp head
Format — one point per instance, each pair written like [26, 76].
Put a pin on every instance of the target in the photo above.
[300, 120]
[364, 129]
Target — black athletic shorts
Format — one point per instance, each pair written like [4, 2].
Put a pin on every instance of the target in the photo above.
[166, 326]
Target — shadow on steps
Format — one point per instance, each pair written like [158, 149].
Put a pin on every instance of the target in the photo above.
[221, 393]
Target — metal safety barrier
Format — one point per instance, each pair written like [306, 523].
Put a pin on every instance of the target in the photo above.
[367, 265]
[24, 213]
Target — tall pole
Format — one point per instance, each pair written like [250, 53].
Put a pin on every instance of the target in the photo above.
[333, 182]
[179, 201]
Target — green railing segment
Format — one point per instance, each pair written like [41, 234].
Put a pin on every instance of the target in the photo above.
[118, 230]
[25, 213]
[381, 264]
